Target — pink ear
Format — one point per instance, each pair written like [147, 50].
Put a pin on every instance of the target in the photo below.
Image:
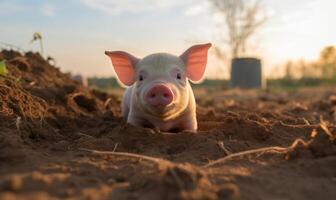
[195, 59]
[123, 64]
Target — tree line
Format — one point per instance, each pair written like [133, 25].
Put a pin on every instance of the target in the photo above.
[324, 67]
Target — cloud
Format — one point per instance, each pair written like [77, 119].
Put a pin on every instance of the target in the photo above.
[48, 10]
[134, 6]
[10, 7]
[197, 8]
[14, 7]
[116, 7]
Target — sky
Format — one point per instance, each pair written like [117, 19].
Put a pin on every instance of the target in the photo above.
[77, 32]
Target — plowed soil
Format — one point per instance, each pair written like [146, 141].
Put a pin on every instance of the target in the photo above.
[60, 140]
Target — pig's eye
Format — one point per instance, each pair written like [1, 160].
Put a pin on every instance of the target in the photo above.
[141, 78]
[178, 76]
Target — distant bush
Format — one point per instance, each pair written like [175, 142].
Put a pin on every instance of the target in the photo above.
[286, 83]
[103, 83]
[324, 67]
[212, 83]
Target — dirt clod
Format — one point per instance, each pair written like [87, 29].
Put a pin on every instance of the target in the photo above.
[12, 183]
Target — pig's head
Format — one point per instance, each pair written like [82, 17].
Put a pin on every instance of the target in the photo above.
[160, 80]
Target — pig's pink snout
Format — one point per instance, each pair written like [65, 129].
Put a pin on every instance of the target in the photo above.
[159, 95]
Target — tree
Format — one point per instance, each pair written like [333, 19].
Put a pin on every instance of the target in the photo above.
[328, 62]
[242, 18]
[289, 70]
[328, 54]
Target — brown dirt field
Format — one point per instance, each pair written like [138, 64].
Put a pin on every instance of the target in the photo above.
[48, 121]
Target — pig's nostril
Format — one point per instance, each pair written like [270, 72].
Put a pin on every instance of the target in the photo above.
[159, 95]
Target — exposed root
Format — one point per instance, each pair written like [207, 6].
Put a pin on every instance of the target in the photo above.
[306, 121]
[131, 155]
[305, 125]
[260, 151]
[280, 150]
[325, 128]
[298, 142]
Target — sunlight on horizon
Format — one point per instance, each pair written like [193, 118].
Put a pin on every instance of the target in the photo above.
[77, 32]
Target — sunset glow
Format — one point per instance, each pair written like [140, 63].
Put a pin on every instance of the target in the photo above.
[77, 32]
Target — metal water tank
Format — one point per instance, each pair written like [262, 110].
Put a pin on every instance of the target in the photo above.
[246, 73]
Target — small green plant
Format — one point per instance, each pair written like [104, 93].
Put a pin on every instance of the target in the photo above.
[3, 68]
[38, 37]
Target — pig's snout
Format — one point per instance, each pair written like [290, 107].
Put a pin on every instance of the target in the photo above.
[159, 95]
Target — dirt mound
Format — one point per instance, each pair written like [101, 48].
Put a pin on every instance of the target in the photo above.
[39, 105]
[60, 140]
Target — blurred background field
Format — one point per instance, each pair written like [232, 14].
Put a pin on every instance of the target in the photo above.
[319, 73]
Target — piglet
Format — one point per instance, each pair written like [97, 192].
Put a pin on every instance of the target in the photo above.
[159, 94]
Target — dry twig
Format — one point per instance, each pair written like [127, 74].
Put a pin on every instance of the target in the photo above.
[324, 127]
[276, 150]
[279, 150]
[132, 155]
[84, 135]
[115, 147]
[305, 125]
[222, 146]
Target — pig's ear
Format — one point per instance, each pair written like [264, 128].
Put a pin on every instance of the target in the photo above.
[124, 66]
[195, 59]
